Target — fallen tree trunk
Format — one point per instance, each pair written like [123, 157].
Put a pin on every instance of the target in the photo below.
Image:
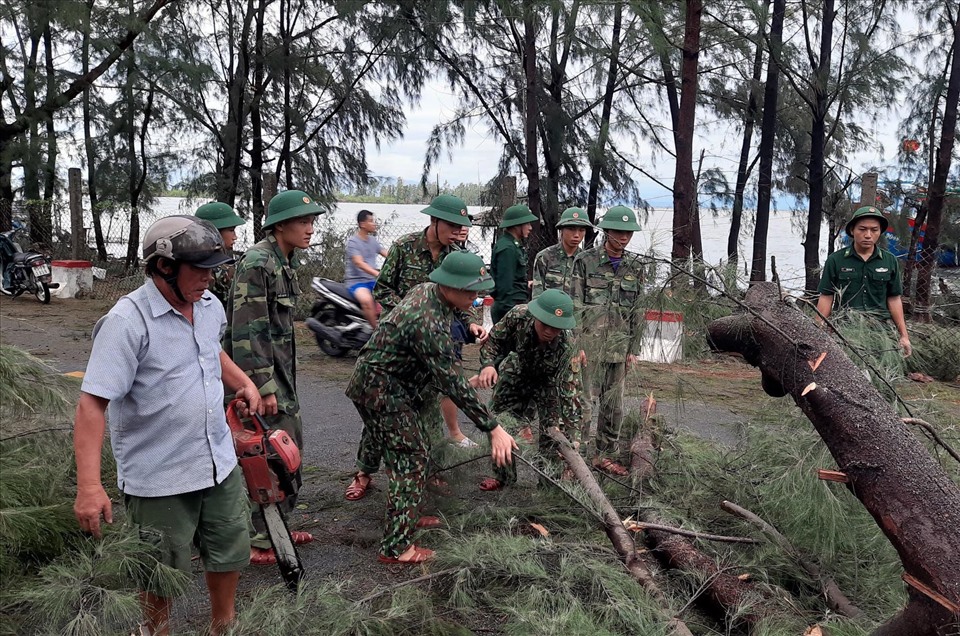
[619, 537]
[914, 502]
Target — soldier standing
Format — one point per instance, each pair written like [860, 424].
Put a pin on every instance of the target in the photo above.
[553, 266]
[413, 349]
[260, 335]
[529, 359]
[226, 220]
[508, 265]
[605, 287]
[409, 262]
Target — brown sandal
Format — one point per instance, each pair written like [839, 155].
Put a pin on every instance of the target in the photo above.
[440, 486]
[607, 465]
[429, 522]
[357, 488]
[420, 555]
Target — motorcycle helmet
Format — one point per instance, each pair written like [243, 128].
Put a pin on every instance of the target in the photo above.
[185, 239]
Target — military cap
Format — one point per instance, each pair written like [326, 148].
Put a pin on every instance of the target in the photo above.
[450, 209]
[620, 217]
[867, 212]
[517, 215]
[220, 214]
[553, 308]
[290, 205]
[463, 270]
[574, 217]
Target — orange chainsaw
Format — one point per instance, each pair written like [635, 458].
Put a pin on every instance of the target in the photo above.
[269, 459]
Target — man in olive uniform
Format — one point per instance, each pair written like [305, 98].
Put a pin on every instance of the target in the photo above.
[223, 217]
[412, 349]
[508, 265]
[528, 359]
[409, 262]
[605, 287]
[553, 266]
[864, 276]
[260, 335]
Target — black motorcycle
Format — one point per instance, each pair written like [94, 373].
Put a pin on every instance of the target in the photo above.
[24, 271]
[336, 319]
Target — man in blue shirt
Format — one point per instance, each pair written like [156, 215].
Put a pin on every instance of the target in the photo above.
[360, 268]
[157, 365]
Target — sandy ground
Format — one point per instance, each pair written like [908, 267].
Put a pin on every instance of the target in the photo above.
[347, 533]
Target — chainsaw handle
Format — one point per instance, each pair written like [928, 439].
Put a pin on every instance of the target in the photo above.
[262, 423]
[236, 422]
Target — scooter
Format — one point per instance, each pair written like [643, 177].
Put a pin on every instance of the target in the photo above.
[336, 319]
[24, 271]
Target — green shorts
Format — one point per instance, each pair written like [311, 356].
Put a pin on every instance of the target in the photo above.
[214, 519]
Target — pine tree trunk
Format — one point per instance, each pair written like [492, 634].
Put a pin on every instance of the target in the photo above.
[50, 165]
[768, 132]
[938, 185]
[88, 142]
[596, 152]
[531, 110]
[914, 502]
[228, 179]
[684, 188]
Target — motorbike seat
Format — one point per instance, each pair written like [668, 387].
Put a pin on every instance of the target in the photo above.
[339, 289]
[19, 257]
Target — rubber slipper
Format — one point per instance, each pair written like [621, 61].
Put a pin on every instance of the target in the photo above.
[439, 485]
[420, 555]
[607, 465]
[466, 442]
[490, 483]
[428, 522]
[259, 556]
[357, 489]
[299, 537]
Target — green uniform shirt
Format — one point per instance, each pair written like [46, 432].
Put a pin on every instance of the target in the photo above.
[609, 318]
[409, 263]
[508, 266]
[864, 285]
[552, 269]
[259, 335]
[411, 350]
[220, 285]
[527, 366]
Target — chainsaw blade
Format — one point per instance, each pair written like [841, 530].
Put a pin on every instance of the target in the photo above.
[288, 560]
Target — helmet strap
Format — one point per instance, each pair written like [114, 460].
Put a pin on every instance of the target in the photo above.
[171, 278]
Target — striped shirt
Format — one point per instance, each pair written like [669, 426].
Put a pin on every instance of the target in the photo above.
[161, 375]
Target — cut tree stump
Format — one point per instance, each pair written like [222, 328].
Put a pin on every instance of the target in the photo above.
[912, 499]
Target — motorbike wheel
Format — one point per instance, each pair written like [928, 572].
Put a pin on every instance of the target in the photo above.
[327, 316]
[42, 291]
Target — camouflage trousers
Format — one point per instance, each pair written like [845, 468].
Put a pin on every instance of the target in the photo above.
[405, 446]
[370, 452]
[604, 382]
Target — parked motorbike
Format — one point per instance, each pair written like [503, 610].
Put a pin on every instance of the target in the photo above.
[24, 271]
[336, 319]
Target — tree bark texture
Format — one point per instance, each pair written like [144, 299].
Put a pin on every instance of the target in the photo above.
[531, 110]
[596, 153]
[685, 187]
[768, 131]
[938, 184]
[914, 502]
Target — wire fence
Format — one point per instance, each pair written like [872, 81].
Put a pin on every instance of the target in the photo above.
[714, 295]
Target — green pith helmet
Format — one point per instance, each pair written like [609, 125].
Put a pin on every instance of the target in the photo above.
[574, 217]
[463, 270]
[554, 309]
[220, 214]
[290, 205]
[517, 215]
[867, 212]
[619, 217]
[450, 209]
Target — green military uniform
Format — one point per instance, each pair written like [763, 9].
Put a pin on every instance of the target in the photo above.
[223, 217]
[611, 325]
[552, 269]
[411, 349]
[533, 372]
[508, 265]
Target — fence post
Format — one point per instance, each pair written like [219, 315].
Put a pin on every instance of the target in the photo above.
[868, 189]
[76, 213]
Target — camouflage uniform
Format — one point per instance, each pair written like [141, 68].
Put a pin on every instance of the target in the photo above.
[411, 349]
[220, 285]
[508, 266]
[611, 326]
[532, 373]
[552, 269]
[259, 336]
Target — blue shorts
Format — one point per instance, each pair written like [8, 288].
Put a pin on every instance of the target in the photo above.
[367, 284]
